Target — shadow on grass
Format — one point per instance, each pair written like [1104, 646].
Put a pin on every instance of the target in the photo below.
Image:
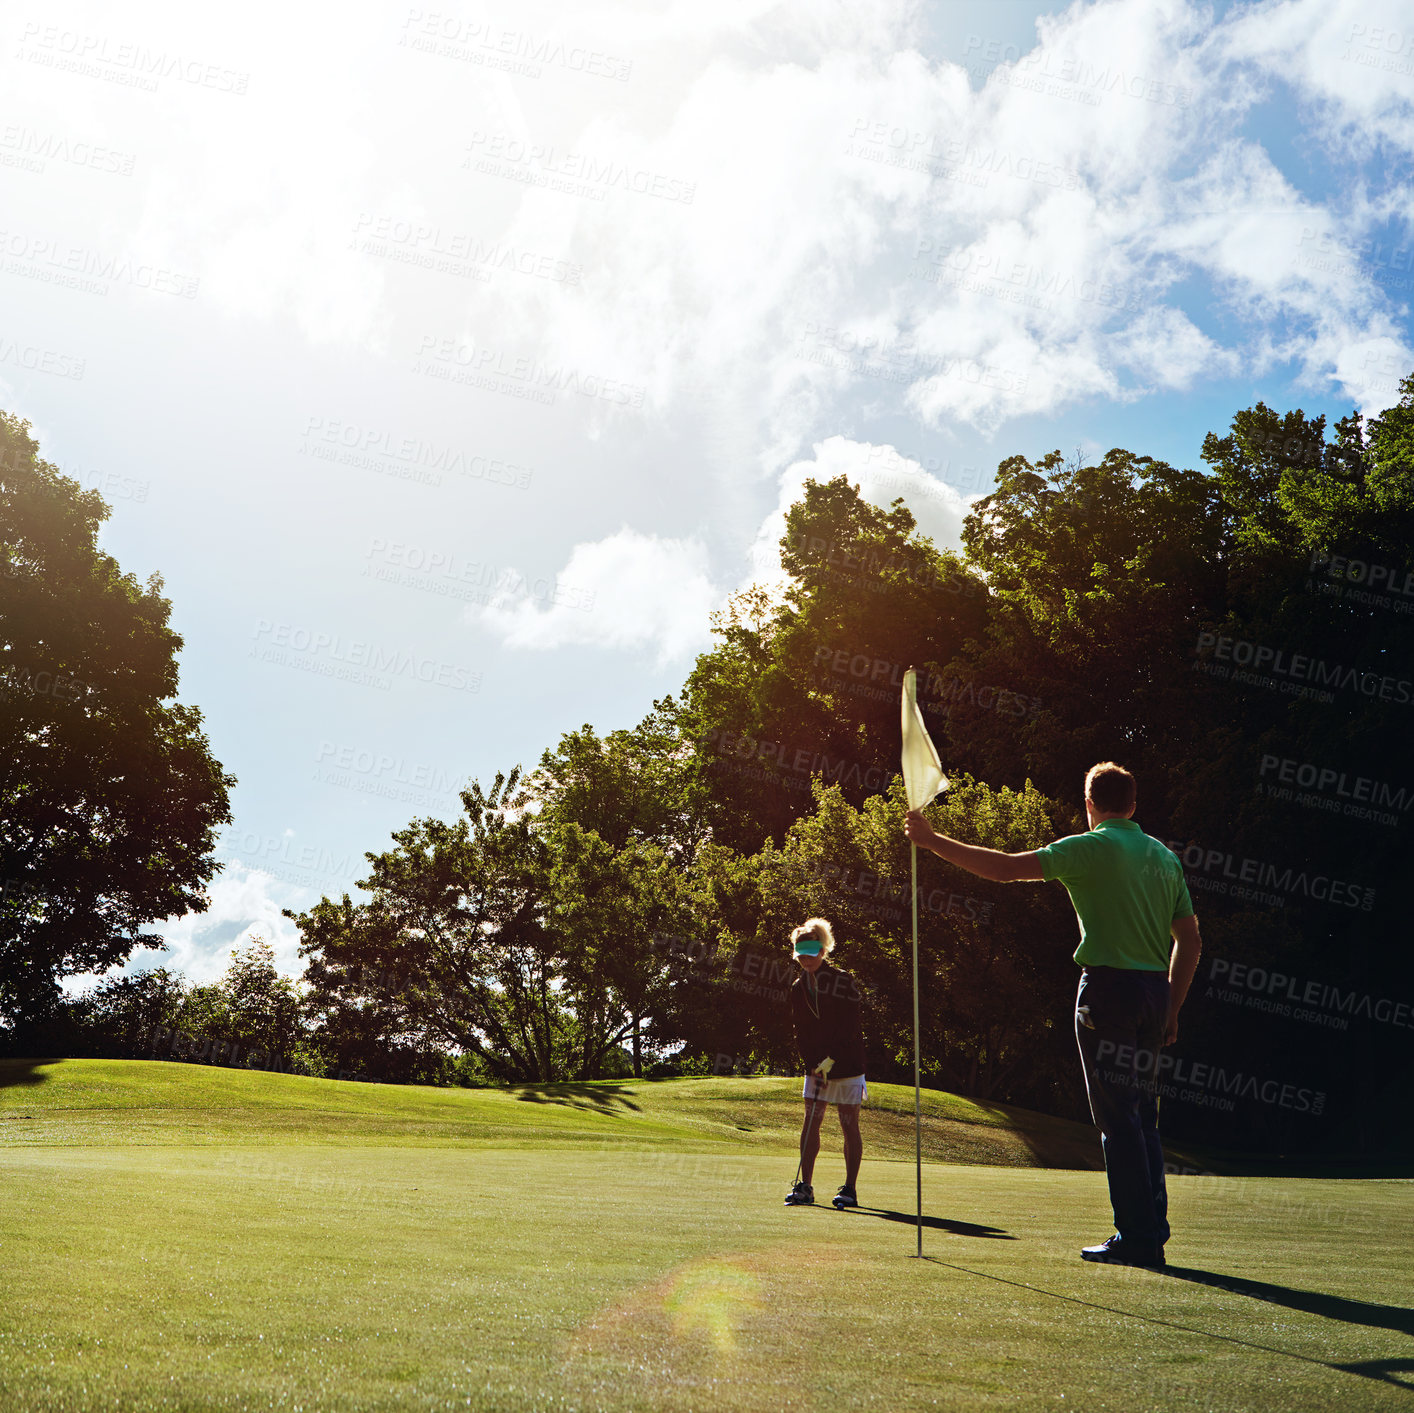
[1309, 1302]
[19, 1073]
[1384, 1370]
[600, 1098]
[932, 1223]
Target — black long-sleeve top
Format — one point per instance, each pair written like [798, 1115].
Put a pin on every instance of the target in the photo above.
[836, 1031]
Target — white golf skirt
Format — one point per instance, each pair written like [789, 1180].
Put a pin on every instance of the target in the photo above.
[836, 1091]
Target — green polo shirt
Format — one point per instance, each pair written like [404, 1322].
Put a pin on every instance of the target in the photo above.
[1127, 889]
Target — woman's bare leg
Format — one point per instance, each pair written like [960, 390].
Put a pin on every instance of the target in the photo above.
[810, 1139]
[853, 1141]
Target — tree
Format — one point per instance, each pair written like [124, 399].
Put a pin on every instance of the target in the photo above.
[1212, 631]
[808, 684]
[453, 951]
[1098, 578]
[263, 1007]
[110, 798]
[996, 977]
[628, 786]
[618, 913]
[115, 1015]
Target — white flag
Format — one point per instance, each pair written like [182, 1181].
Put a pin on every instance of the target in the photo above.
[923, 776]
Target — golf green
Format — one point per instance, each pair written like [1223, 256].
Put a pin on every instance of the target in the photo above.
[175, 1238]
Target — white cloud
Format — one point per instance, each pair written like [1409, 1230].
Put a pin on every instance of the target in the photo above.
[882, 475]
[867, 226]
[1354, 59]
[245, 902]
[628, 591]
[1022, 238]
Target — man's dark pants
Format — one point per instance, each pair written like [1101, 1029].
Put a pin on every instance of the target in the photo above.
[1119, 1023]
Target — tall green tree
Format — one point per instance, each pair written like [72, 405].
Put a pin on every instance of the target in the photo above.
[997, 981]
[110, 798]
[452, 951]
[613, 909]
[524, 943]
[1098, 577]
[628, 787]
[808, 683]
[1214, 631]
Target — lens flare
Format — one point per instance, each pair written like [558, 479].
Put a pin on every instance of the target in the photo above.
[713, 1297]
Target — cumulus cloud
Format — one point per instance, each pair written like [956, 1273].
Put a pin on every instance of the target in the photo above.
[882, 475]
[778, 180]
[866, 224]
[629, 590]
[246, 902]
[1351, 59]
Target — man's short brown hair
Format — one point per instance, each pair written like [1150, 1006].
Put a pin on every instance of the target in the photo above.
[1111, 787]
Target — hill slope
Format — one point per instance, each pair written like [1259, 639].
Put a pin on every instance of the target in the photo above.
[164, 1102]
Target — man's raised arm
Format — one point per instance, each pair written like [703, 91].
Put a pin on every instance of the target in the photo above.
[985, 863]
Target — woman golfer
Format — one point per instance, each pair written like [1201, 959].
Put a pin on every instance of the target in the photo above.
[825, 1006]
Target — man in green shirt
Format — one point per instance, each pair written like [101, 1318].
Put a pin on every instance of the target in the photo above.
[1131, 899]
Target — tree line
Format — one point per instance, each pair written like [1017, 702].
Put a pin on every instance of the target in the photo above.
[1237, 636]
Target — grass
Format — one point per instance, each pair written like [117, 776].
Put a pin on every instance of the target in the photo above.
[176, 1237]
[158, 1102]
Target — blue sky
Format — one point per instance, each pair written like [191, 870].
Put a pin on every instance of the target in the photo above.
[452, 366]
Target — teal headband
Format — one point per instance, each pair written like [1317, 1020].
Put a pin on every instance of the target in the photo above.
[807, 947]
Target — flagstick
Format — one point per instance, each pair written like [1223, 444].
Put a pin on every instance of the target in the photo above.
[917, 1092]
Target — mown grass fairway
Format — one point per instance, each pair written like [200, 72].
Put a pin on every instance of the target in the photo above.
[184, 1238]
